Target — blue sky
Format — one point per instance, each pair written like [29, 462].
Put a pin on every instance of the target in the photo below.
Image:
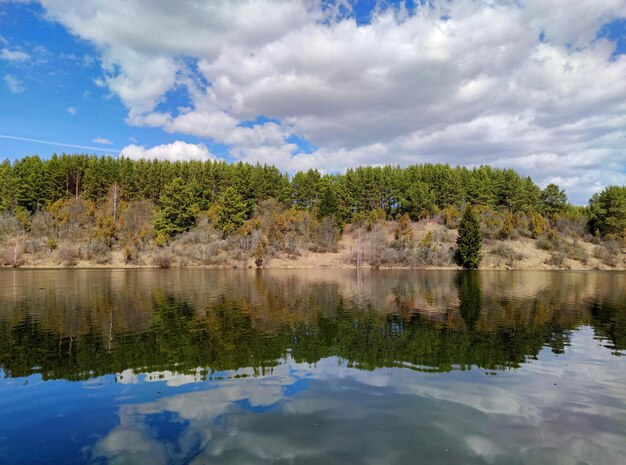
[533, 85]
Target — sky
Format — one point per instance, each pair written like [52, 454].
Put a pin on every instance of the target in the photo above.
[534, 85]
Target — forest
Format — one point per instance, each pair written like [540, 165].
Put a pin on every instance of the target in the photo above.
[73, 210]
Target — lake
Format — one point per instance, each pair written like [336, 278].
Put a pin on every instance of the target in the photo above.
[312, 367]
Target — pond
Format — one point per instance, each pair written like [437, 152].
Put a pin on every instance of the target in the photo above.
[312, 367]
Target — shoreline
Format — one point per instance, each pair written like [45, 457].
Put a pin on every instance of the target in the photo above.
[94, 266]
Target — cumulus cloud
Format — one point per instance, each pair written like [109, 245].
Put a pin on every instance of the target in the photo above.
[72, 111]
[13, 55]
[177, 150]
[521, 84]
[102, 140]
[15, 85]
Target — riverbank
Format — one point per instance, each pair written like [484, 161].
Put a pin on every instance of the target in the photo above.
[434, 246]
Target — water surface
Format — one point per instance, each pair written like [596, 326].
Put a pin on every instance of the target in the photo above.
[307, 367]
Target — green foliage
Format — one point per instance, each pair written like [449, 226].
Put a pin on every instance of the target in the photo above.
[177, 211]
[328, 205]
[259, 254]
[507, 228]
[538, 224]
[469, 241]
[553, 200]
[608, 212]
[427, 240]
[231, 211]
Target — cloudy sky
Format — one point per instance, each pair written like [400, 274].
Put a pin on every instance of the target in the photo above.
[536, 85]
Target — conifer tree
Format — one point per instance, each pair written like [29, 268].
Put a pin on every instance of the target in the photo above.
[328, 204]
[178, 210]
[470, 240]
[232, 211]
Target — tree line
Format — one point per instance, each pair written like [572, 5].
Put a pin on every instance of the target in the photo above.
[153, 201]
[32, 183]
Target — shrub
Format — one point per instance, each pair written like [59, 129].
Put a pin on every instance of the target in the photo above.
[544, 243]
[451, 216]
[556, 259]
[507, 252]
[98, 251]
[427, 240]
[537, 224]
[403, 234]
[506, 229]
[576, 252]
[35, 245]
[42, 224]
[608, 253]
[8, 225]
[327, 235]
[163, 259]
[68, 255]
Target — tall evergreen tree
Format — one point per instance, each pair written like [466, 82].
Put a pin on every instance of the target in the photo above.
[177, 209]
[328, 203]
[608, 211]
[232, 211]
[470, 240]
[553, 200]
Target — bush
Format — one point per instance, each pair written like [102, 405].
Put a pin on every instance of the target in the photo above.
[68, 255]
[11, 256]
[537, 224]
[608, 253]
[98, 251]
[42, 224]
[9, 225]
[544, 243]
[576, 252]
[575, 226]
[507, 252]
[556, 259]
[327, 235]
[506, 229]
[163, 259]
[35, 245]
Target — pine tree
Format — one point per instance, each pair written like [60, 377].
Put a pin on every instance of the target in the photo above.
[178, 209]
[328, 204]
[232, 211]
[553, 200]
[470, 240]
[608, 211]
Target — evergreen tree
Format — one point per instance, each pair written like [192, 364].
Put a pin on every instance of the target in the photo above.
[328, 204]
[177, 209]
[553, 200]
[608, 211]
[470, 240]
[232, 211]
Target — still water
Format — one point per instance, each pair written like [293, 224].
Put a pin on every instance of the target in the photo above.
[312, 367]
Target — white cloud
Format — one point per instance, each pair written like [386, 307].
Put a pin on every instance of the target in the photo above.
[15, 85]
[476, 87]
[177, 150]
[13, 55]
[72, 110]
[102, 140]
